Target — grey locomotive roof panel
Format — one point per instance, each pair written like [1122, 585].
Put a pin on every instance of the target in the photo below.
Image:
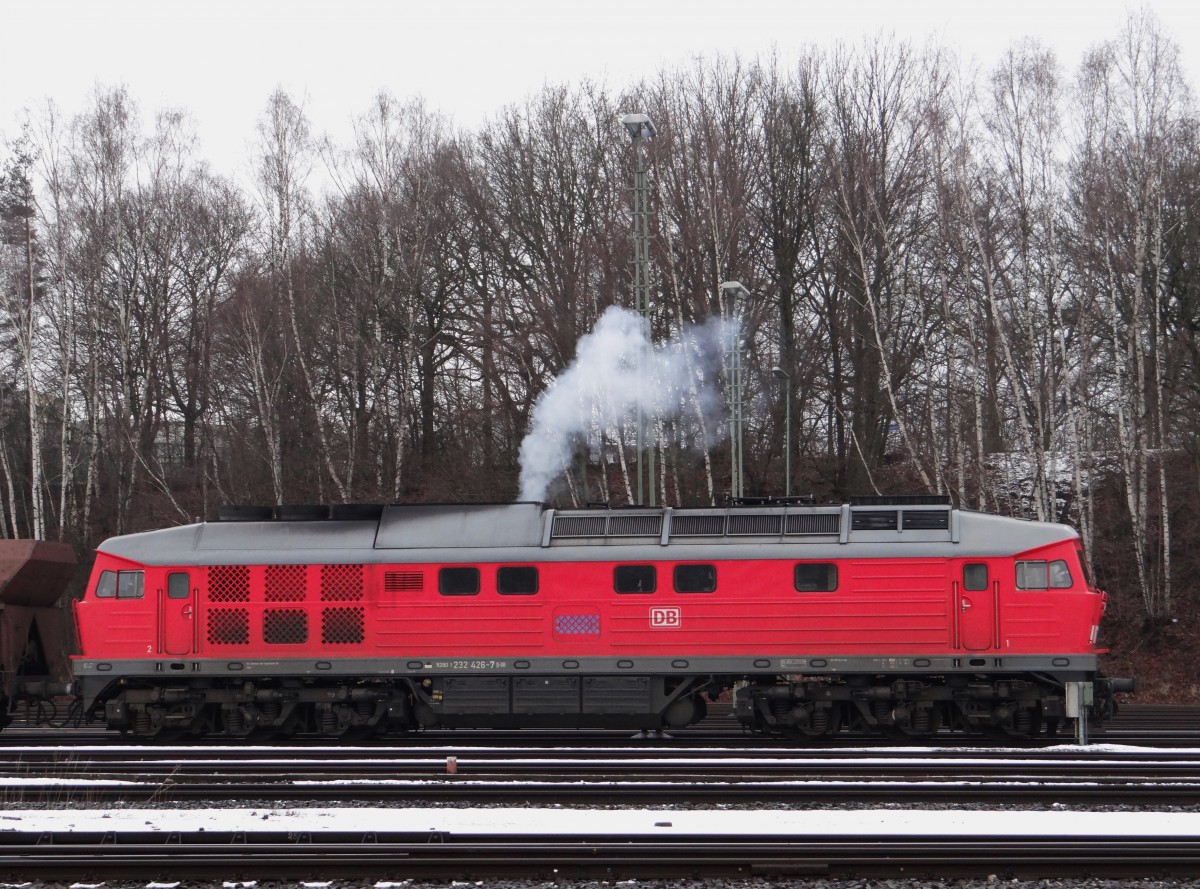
[437, 526]
[525, 532]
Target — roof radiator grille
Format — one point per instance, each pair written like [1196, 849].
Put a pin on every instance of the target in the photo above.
[579, 526]
[813, 523]
[697, 525]
[635, 525]
[755, 523]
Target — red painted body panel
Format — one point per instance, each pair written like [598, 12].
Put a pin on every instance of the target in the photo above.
[911, 606]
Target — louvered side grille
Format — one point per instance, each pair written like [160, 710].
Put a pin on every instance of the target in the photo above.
[403, 581]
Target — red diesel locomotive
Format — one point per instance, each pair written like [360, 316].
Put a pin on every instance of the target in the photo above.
[900, 616]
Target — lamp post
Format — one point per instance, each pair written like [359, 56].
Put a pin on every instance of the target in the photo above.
[641, 129]
[783, 376]
[734, 290]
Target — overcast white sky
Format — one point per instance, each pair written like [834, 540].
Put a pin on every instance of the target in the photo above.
[221, 59]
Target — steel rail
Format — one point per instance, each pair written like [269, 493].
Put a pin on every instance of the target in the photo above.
[440, 855]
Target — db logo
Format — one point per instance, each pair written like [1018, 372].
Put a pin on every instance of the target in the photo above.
[661, 618]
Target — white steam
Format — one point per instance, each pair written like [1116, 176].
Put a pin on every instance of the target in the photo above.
[616, 370]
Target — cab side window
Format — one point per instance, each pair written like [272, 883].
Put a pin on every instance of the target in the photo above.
[1043, 575]
[130, 584]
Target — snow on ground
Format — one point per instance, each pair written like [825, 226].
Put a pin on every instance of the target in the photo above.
[622, 822]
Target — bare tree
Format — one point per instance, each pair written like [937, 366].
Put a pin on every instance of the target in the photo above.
[1132, 92]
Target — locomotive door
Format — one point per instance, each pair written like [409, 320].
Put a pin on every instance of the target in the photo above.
[976, 609]
[177, 614]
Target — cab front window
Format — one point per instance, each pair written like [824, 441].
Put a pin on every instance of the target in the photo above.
[120, 585]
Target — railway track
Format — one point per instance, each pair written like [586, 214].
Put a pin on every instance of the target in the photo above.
[108, 812]
[571, 777]
[648, 845]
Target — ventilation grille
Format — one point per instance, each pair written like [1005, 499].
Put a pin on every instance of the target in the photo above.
[926, 519]
[873, 521]
[228, 626]
[635, 525]
[285, 583]
[813, 523]
[285, 626]
[755, 524]
[341, 583]
[579, 526]
[403, 581]
[697, 525]
[577, 624]
[342, 626]
[229, 583]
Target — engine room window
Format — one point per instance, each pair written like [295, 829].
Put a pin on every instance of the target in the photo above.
[695, 578]
[519, 580]
[129, 584]
[634, 579]
[458, 581]
[1044, 575]
[975, 577]
[177, 586]
[816, 577]
[106, 586]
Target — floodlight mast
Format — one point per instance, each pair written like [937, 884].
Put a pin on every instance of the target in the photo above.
[735, 291]
[641, 129]
[786, 378]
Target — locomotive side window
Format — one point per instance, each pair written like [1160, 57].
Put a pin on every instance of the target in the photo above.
[458, 581]
[695, 578]
[519, 580]
[816, 577]
[634, 579]
[177, 586]
[975, 577]
[106, 586]
[129, 584]
[1044, 575]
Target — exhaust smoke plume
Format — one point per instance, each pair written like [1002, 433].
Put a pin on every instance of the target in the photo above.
[616, 369]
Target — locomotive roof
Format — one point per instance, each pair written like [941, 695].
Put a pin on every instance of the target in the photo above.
[527, 532]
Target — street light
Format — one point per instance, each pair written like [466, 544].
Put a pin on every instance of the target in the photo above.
[639, 126]
[782, 375]
[735, 290]
[641, 129]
